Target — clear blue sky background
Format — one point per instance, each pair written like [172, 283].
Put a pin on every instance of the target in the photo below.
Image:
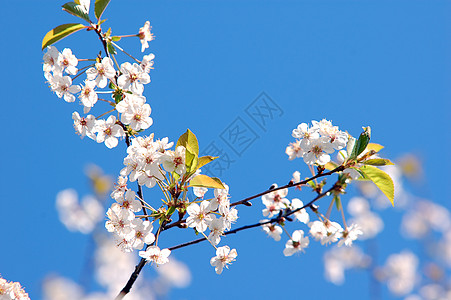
[380, 63]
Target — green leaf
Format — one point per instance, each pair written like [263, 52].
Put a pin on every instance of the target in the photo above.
[377, 162]
[189, 141]
[206, 181]
[60, 32]
[111, 48]
[205, 160]
[76, 10]
[170, 211]
[375, 147]
[190, 161]
[115, 38]
[382, 180]
[99, 7]
[361, 143]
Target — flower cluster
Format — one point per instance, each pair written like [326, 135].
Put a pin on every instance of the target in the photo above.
[125, 86]
[315, 143]
[322, 230]
[12, 290]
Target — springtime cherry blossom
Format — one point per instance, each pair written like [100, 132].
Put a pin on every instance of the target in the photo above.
[145, 36]
[224, 257]
[199, 192]
[88, 96]
[297, 243]
[68, 61]
[108, 131]
[147, 62]
[119, 219]
[272, 230]
[62, 86]
[174, 161]
[51, 61]
[302, 215]
[130, 202]
[133, 78]
[199, 216]
[349, 235]
[275, 201]
[141, 233]
[84, 125]
[154, 254]
[102, 71]
[12, 290]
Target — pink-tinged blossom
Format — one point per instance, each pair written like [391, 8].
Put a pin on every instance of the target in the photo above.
[12, 290]
[108, 131]
[137, 116]
[221, 198]
[337, 138]
[119, 189]
[318, 151]
[199, 216]
[102, 71]
[51, 62]
[272, 230]
[297, 243]
[141, 234]
[174, 161]
[154, 254]
[68, 61]
[217, 228]
[199, 192]
[224, 257]
[147, 62]
[63, 88]
[119, 220]
[145, 36]
[294, 150]
[349, 235]
[84, 125]
[229, 215]
[133, 78]
[130, 202]
[87, 95]
[275, 201]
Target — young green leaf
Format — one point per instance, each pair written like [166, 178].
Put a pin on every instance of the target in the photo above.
[382, 180]
[377, 162]
[99, 7]
[60, 32]
[361, 143]
[191, 161]
[111, 48]
[76, 10]
[189, 141]
[206, 181]
[205, 160]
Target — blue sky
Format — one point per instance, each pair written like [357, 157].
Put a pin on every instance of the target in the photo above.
[379, 63]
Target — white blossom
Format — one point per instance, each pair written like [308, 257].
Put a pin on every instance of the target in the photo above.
[297, 243]
[224, 257]
[145, 36]
[154, 254]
